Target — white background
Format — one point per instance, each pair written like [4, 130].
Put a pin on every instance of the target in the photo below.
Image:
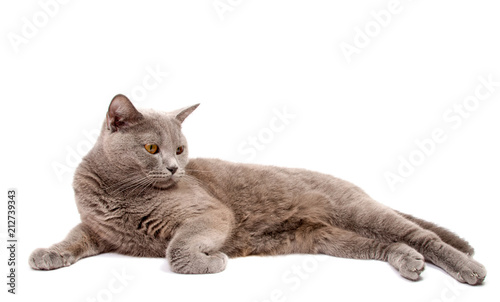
[350, 119]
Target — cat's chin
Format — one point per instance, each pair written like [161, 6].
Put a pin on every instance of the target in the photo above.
[165, 184]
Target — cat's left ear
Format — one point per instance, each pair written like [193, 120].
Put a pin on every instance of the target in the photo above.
[181, 114]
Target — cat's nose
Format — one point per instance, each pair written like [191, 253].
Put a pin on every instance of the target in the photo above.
[172, 169]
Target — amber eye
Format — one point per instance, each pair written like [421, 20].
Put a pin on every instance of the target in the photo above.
[151, 148]
[179, 150]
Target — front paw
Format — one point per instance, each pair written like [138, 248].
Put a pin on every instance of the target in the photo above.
[199, 263]
[215, 263]
[47, 259]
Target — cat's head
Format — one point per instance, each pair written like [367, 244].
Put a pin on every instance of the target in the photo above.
[145, 146]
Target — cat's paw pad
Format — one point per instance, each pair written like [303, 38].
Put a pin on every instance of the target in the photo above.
[472, 273]
[46, 259]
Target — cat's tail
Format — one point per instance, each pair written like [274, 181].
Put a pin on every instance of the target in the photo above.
[445, 235]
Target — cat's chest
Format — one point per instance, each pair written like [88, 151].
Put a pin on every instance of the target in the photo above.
[144, 227]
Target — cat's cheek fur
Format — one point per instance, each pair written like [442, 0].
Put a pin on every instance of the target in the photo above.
[150, 162]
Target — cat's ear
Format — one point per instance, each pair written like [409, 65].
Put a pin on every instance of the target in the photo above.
[121, 113]
[181, 114]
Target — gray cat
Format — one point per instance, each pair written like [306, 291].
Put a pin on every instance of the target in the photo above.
[139, 195]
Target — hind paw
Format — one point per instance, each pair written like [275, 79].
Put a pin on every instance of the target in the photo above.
[472, 273]
[407, 261]
[412, 266]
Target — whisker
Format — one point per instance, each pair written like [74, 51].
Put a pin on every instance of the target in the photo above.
[146, 187]
[194, 179]
[137, 184]
[124, 182]
[143, 182]
[127, 186]
[130, 183]
[194, 170]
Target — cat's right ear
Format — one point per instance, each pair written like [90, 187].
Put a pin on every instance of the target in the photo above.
[181, 114]
[121, 113]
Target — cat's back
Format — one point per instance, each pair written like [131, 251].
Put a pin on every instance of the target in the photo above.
[237, 183]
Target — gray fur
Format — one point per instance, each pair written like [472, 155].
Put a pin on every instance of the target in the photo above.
[198, 212]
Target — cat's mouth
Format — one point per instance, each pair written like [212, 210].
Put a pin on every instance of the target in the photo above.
[163, 180]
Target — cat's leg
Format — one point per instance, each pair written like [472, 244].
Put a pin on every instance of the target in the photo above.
[459, 265]
[445, 235]
[346, 244]
[79, 243]
[195, 247]
[369, 218]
